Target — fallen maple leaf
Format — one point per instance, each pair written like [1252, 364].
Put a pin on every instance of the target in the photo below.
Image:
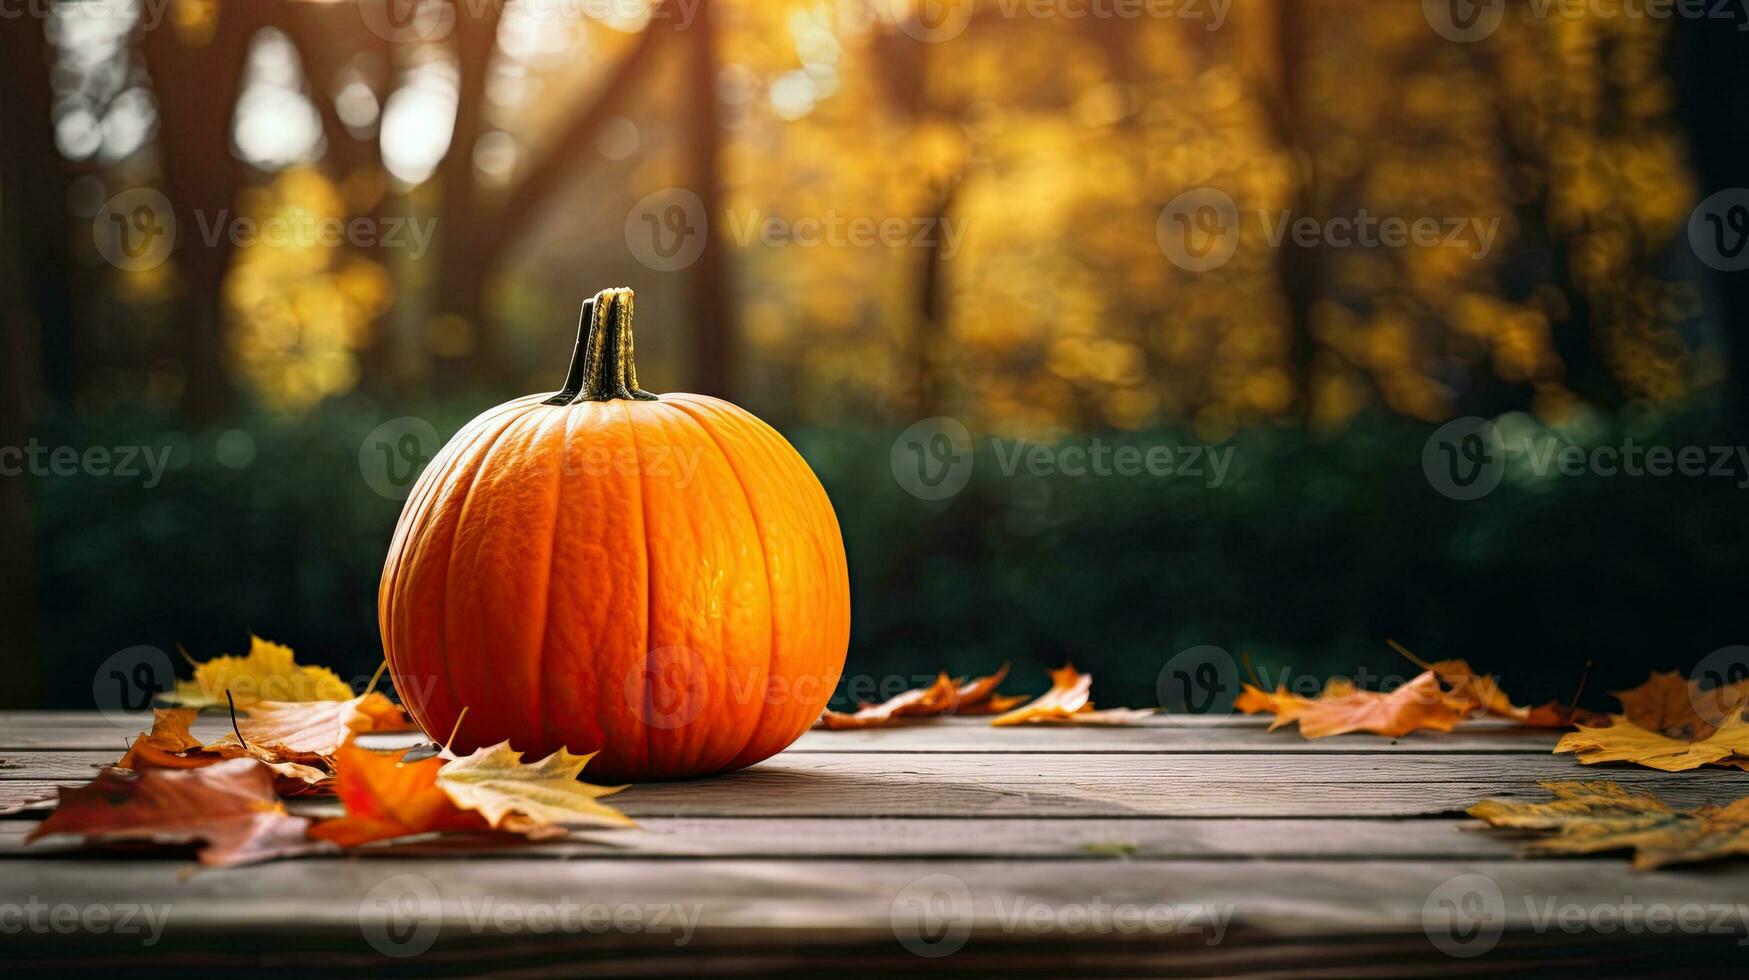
[1255, 700]
[1482, 692]
[315, 730]
[161, 747]
[979, 689]
[935, 699]
[518, 796]
[170, 745]
[1418, 705]
[979, 697]
[230, 805]
[1680, 708]
[1589, 817]
[387, 797]
[270, 672]
[1068, 703]
[1625, 741]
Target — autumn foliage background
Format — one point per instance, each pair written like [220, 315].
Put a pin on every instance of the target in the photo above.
[1054, 142]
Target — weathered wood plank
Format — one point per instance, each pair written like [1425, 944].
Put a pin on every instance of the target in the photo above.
[859, 837]
[90, 731]
[1181, 785]
[773, 953]
[956, 908]
[97, 749]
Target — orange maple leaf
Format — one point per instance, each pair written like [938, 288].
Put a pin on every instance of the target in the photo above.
[230, 805]
[387, 797]
[979, 696]
[935, 699]
[1485, 696]
[1068, 702]
[161, 748]
[1418, 705]
[1255, 700]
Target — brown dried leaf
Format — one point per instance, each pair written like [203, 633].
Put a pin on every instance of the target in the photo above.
[932, 700]
[230, 805]
[1588, 817]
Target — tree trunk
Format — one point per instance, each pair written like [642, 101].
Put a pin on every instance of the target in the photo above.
[328, 41]
[713, 311]
[1298, 267]
[930, 331]
[198, 85]
[20, 372]
[1710, 61]
[36, 212]
[462, 266]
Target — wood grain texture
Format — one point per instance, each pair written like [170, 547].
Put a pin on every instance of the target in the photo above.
[508, 907]
[1112, 785]
[1072, 839]
[1331, 860]
[1239, 733]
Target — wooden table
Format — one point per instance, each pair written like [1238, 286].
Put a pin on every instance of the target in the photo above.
[1169, 848]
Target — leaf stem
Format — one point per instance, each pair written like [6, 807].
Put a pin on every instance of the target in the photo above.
[455, 731]
[239, 732]
[1400, 648]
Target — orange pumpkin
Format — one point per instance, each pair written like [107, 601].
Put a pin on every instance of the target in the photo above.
[657, 577]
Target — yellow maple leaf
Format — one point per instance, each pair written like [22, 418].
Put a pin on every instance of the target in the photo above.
[1625, 741]
[514, 795]
[270, 672]
[1589, 817]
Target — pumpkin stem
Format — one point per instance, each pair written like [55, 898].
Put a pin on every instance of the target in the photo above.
[602, 367]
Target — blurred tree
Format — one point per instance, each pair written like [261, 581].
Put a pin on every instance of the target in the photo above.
[34, 209]
[1052, 143]
[196, 64]
[1710, 60]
